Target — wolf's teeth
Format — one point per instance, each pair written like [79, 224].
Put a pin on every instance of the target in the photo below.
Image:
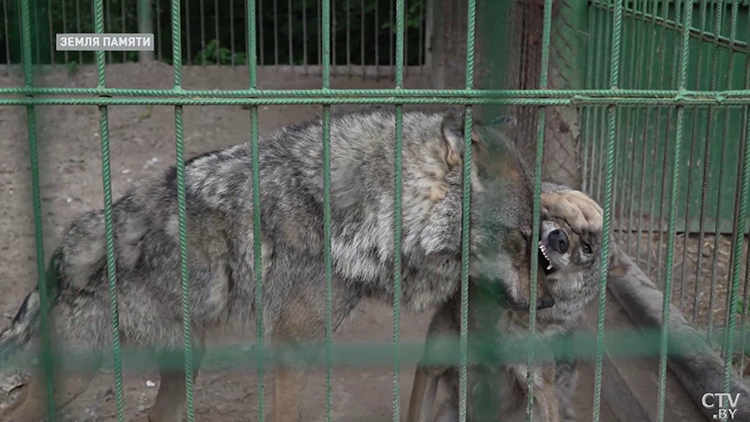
[544, 251]
[549, 267]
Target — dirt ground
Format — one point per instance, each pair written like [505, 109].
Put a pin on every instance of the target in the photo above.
[691, 293]
[71, 182]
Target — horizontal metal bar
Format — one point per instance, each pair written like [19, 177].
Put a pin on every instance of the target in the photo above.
[721, 41]
[247, 94]
[570, 101]
[241, 356]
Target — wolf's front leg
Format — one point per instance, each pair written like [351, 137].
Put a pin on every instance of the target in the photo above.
[169, 404]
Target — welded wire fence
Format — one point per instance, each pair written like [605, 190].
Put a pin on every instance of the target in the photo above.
[694, 151]
[214, 32]
[640, 108]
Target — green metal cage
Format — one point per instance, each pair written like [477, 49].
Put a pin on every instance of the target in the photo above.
[659, 91]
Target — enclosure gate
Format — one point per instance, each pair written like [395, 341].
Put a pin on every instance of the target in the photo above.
[618, 107]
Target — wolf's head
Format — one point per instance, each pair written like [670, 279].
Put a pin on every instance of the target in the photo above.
[571, 262]
[501, 214]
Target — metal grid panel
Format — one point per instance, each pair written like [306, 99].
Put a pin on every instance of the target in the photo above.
[679, 171]
[609, 94]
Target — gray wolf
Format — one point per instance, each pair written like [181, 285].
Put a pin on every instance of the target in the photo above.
[569, 255]
[219, 189]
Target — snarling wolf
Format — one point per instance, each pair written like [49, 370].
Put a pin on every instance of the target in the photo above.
[219, 189]
[569, 254]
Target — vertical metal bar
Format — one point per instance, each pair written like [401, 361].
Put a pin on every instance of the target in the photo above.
[333, 38]
[304, 37]
[406, 42]
[390, 39]
[738, 243]
[377, 43]
[739, 229]
[260, 33]
[291, 34]
[718, 15]
[78, 27]
[589, 141]
[644, 138]
[145, 25]
[51, 31]
[187, 34]
[348, 40]
[362, 38]
[691, 162]
[319, 12]
[326, 70]
[122, 26]
[637, 51]
[541, 123]
[202, 11]
[677, 162]
[275, 33]
[746, 294]
[466, 215]
[7, 32]
[617, 229]
[158, 30]
[662, 67]
[740, 217]
[108, 27]
[612, 123]
[257, 254]
[65, 27]
[38, 50]
[182, 211]
[420, 61]
[667, 131]
[594, 113]
[621, 146]
[606, 53]
[718, 24]
[109, 232]
[44, 301]
[429, 15]
[231, 31]
[397, 212]
[216, 31]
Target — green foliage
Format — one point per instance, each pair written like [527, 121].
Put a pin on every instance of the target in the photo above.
[739, 301]
[72, 67]
[412, 19]
[210, 53]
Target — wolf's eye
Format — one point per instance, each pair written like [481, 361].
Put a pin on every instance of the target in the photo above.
[586, 248]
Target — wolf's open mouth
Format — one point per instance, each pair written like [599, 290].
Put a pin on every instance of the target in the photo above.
[545, 260]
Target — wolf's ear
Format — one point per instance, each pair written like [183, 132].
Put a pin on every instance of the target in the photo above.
[505, 124]
[452, 129]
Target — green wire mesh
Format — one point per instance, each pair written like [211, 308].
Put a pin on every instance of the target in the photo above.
[637, 112]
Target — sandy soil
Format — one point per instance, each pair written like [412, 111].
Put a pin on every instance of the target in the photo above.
[71, 181]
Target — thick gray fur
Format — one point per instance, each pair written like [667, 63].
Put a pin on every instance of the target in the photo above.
[220, 234]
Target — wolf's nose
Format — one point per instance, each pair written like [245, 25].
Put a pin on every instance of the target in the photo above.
[558, 241]
[545, 303]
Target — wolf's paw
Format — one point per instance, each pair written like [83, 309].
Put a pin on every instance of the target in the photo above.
[575, 207]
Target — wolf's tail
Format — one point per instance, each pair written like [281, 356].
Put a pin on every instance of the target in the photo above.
[24, 324]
